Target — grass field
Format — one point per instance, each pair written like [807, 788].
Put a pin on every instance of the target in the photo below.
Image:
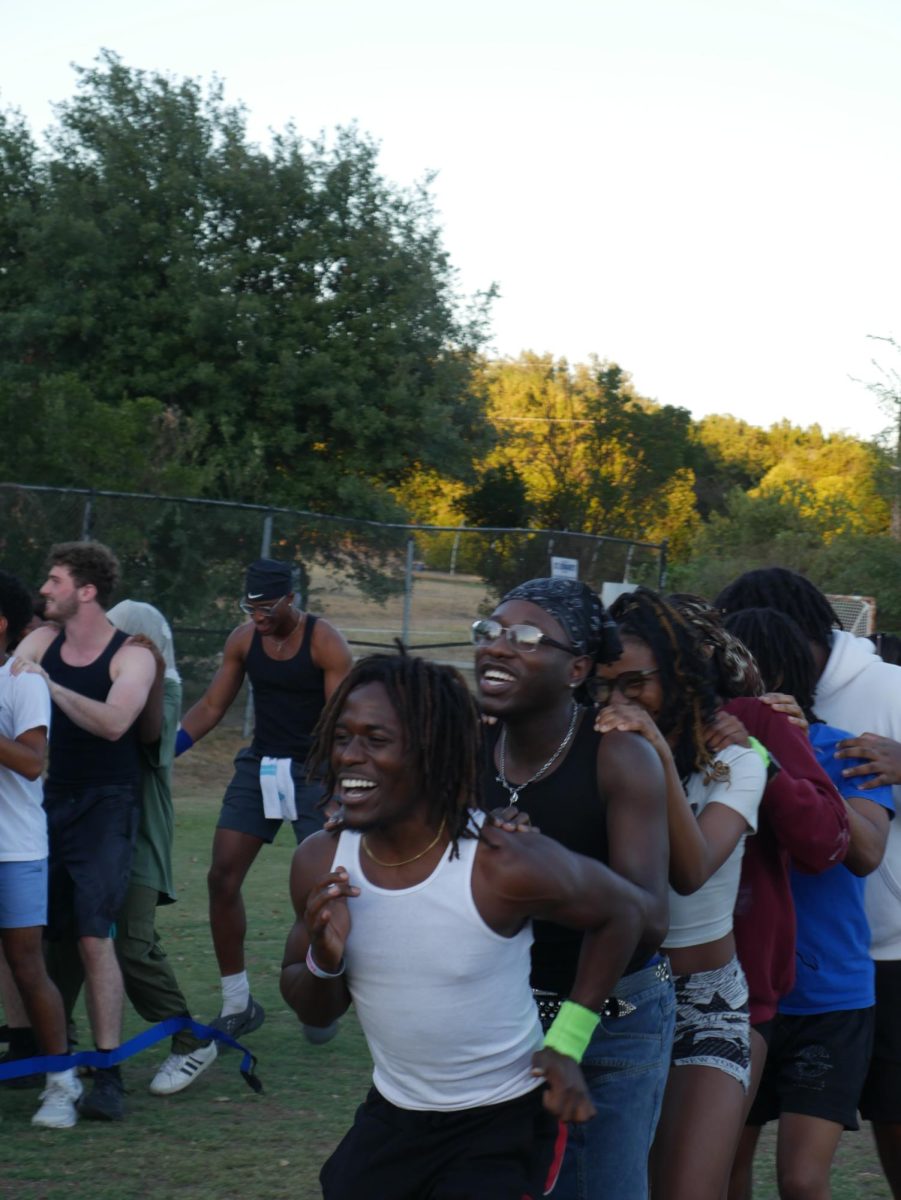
[218, 1139]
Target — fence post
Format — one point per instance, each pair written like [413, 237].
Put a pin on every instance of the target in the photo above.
[628, 564]
[408, 590]
[265, 550]
[87, 518]
[664, 546]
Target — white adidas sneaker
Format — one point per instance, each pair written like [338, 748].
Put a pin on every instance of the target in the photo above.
[180, 1070]
[59, 1098]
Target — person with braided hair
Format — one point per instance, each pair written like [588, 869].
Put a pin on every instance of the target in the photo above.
[822, 1034]
[662, 687]
[604, 797]
[855, 690]
[414, 908]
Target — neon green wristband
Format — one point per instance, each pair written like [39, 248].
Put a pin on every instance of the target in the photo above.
[759, 748]
[571, 1030]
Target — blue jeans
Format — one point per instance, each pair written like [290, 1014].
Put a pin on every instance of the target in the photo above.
[626, 1067]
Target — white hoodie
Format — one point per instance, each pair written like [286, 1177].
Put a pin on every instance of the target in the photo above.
[859, 692]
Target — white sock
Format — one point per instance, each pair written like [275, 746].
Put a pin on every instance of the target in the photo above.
[235, 993]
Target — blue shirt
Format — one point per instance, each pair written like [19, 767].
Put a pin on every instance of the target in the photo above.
[834, 971]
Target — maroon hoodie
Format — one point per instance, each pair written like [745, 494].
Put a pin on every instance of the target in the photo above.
[802, 820]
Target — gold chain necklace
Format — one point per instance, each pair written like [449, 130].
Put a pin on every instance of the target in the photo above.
[422, 853]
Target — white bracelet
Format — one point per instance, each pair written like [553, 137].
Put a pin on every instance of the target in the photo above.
[314, 968]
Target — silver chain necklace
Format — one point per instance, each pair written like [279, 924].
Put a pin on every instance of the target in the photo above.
[515, 789]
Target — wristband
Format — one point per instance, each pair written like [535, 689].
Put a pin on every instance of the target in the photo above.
[760, 750]
[314, 968]
[183, 741]
[571, 1030]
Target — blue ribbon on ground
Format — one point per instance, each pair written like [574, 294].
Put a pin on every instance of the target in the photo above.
[110, 1058]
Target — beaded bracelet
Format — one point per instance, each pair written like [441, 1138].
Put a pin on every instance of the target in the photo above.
[314, 968]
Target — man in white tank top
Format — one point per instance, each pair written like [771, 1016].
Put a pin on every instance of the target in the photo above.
[420, 916]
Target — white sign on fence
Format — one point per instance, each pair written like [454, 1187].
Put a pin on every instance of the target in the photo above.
[564, 568]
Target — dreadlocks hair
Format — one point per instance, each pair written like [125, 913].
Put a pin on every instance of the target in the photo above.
[689, 698]
[777, 587]
[441, 729]
[782, 652]
[735, 672]
[15, 605]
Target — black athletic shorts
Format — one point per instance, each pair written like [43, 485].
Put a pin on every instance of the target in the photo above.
[92, 833]
[509, 1151]
[816, 1066]
[242, 805]
[880, 1100]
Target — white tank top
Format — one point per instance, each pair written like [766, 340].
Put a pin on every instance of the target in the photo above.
[443, 1000]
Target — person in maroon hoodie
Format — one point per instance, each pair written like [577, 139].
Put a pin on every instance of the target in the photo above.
[802, 820]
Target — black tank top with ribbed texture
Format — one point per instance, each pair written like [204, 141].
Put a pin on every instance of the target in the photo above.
[567, 807]
[288, 697]
[79, 758]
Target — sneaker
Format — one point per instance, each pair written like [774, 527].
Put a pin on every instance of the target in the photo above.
[59, 1098]
[237, 1024]
[318, 1035]
[180, 1070]
[19, 1082]
[106, 1099]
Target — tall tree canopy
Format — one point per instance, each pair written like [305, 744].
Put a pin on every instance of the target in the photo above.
[279, 325]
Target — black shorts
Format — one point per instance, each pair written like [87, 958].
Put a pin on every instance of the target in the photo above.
[508, 1151]
[92, 833]
[242, 805]
[816, 1066]
[880, 1100]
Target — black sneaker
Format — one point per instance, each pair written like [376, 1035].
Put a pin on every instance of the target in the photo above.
[106, 1099]
[18, 1082]
[236, 1025]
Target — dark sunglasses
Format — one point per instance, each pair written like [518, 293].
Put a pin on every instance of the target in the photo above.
[523, 637]
[630, 684]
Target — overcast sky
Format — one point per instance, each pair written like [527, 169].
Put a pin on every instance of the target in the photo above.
[706, 191]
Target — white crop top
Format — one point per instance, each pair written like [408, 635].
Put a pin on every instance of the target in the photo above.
[444, 1001]
[706, 915]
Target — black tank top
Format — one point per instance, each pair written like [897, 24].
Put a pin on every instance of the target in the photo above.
[79, 758]
[567, 807]
[288, 697]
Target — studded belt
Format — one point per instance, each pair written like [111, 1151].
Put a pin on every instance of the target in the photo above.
[612, 1008]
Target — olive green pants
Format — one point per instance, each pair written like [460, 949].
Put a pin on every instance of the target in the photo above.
[150, 982]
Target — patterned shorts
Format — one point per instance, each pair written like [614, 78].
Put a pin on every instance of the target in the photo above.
[712, 1023]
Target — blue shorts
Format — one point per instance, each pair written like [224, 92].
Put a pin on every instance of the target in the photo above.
[23, 894]
[242, 806]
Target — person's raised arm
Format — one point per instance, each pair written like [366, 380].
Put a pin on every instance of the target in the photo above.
[801, 804]
[331, 654]
[633, 784]
[219, 696]
[697, 848]
[133, 671]
[312, 979]
[150, 722]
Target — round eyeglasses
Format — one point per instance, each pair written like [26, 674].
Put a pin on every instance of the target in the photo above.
[523, 637]
[629, 684]
[259, 610]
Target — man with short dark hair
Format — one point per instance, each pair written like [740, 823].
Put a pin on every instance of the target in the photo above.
[421, 914]
[99, 686]
[294, 661]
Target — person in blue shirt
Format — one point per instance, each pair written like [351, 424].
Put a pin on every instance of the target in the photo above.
[823, 1033]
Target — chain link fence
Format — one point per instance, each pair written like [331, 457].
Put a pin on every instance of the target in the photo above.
[376, 582]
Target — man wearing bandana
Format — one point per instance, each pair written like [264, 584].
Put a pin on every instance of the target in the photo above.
[294, 661]
[604, 797]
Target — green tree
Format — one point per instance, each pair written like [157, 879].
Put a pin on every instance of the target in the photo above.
[290, 312]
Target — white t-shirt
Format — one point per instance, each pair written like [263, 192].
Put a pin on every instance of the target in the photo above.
[706, 915]
[24, 705]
